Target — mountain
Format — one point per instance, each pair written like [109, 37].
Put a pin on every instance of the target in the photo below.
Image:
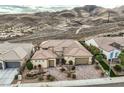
[62, 22]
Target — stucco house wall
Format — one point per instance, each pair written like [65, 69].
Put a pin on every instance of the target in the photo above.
[73, 59]
[43, 63]
[69, 58]
[91, 42]
[37, 62]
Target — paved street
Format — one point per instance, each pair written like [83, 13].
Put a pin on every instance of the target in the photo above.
[109, 85]
[7, 76]
[101, 82]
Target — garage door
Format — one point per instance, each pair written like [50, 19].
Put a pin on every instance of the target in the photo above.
[0, 65]
[12, 64]
[51, 63]
[79, 61]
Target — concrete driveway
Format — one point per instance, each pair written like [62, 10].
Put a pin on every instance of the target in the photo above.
[7, 76]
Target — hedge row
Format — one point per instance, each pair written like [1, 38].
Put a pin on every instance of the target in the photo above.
[106, 67]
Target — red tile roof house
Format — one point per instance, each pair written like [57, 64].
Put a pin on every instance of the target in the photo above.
[110, 46]
[53, 52]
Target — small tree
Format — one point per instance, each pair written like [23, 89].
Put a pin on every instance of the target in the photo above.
[99, 57]
[118, 68]
[94, 50]
[121, 57]
[29, 65]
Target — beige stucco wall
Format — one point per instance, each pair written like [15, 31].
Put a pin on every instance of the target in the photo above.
[43, 63]
[90, 60]
[73, 59]
[69, 58]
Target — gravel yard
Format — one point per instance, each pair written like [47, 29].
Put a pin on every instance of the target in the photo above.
[82, 72]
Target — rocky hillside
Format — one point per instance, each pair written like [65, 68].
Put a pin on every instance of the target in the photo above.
[76, 23]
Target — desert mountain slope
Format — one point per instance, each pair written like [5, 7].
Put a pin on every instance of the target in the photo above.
[75, 23]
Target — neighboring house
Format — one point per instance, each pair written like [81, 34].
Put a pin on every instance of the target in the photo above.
[14, 55]
[55, 52]
[110, 46]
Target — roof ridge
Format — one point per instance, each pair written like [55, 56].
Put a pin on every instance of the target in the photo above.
[16, 51]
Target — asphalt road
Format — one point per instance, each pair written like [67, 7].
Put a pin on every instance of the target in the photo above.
[108, 85]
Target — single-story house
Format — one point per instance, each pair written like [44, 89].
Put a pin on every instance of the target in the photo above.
[14, 55]
[54, 52]
[45, 58]
[110, 46]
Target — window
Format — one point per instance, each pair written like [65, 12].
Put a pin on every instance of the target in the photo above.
[116, 54]
[111, 55]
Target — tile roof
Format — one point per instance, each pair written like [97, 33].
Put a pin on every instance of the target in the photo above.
[5, 47]
[14, 54]
[68, 46]
[44, 54]
[14, 51]
[104, 42]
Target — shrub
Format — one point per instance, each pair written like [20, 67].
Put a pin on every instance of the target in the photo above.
[29, 75]
[118, 68]
[62, 69]
[68, 74]
[40, 78]
[106, 67]
[99, 57]
[121, 57]
[70, 62]
[73, 68]
[50, 77]
[16, 77]
[73, 76]
[29, 66]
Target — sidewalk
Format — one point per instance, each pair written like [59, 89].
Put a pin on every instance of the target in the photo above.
[74, 83]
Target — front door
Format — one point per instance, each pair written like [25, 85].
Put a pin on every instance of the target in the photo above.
[50, 63]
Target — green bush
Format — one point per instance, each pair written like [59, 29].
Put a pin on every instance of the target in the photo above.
[106, 67]
[118, 68]
[99, 57]
[29, 66]
[121, 57]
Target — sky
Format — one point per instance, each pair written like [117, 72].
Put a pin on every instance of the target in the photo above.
[104, 3]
